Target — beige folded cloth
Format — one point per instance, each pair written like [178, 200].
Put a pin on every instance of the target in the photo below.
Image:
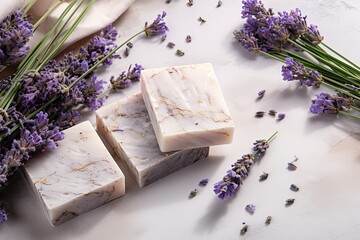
[102, 13]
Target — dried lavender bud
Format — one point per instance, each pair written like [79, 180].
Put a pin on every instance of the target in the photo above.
[292, 166]
[244, 229]
[171, 45]
[259, 114]
[201, 20]
[250, 208]
[180, 53]
[3, 214]
[261, 94]
[290, 201]
[118, 129]
[219, 4]
[294, 187]
[263, 176]
[272, 112]
[127, 52]
[190, 3]
[188, 38]
[204, 182]
[281, 116]
[268, 220]
[168, 1]
[193, 193]
[261, 146]
[129, 44]
[163, 37]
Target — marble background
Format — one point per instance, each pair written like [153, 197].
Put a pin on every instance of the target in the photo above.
[327, 205]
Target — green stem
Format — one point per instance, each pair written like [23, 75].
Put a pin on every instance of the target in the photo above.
[356, 108]
[272, 56]
[340, 55]
[28, 6]
[349, 115]
[341, 90]
[104, 93]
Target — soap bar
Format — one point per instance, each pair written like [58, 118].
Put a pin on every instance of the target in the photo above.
[127, 128]
[186, 107]
[78, 176]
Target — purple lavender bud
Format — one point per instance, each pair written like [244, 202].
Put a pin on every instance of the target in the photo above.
[294, 70]
[158, 27]
[331, 104]
[3, 214]
[261, 94]
[294, 22]
[15, 31]
[260, 146]
[313, 35]
[254, 8]
[204, 182]
[281, 116]
[247, 40]
[250, 208]
[226, 188]
[126, 78]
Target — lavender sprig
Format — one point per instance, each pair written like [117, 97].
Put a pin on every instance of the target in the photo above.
[230, 183]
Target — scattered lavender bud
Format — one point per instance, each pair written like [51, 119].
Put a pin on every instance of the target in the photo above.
[180, 53]
[163, 37]
[261, 94]
[281, 116]
[268, 220]
[193, 193]
[250, 208]
[204, 182]
[127, 52]
[190, 3]
[244, 229]
[201, 20]
[292, 166]
[129, 44]
[171, 45]
[294, 187]
[259, 114]
[263, 176]
[168, 1]
[219, 4]
[3, 214]
[272, 112]
[188, 38]
[290, 201]
[118, 129]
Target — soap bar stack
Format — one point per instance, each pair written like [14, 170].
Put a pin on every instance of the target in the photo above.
[179, 113]
[78, 176]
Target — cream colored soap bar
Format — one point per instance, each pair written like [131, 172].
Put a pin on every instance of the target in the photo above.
[127, 128]
[78, 176]
[186, 107]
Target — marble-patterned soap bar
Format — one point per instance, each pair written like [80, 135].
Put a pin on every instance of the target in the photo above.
[186, 107]
[78, 176]
[127, 128]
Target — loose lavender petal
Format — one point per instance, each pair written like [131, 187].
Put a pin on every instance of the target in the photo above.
[261, 94]
[281, 116]
[204, 182]
[250, 208]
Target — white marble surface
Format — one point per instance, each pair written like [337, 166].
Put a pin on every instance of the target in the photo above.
[327, 205]
[126, 126]
[78, 177]
[186, 107]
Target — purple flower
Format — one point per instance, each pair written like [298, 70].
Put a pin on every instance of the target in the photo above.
[3, 214]
[294, 70]
[126, 78]
[158, 27]
[247, 40]
[313, 35]
[332, 104]
[250, 208]
[15, 31]
[254, 8]
[227, 187]
[261, 146]
[294, 22]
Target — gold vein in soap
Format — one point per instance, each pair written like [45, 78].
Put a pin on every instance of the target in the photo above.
[186, 107]
[78, 176]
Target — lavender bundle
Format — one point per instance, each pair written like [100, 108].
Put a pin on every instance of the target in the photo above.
[43, 96]
[231, 182]
[282, 36]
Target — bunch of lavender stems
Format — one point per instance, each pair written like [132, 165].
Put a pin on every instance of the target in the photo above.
[283, 36]
[227, 187]
[40, 99]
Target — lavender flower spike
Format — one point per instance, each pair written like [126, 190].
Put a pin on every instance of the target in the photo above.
[326, 103]
[294, 70]
[158, 27]
[126, 78]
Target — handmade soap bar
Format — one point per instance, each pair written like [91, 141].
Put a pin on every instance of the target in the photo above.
[76, 177]
[127, 128]
[186, 107]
